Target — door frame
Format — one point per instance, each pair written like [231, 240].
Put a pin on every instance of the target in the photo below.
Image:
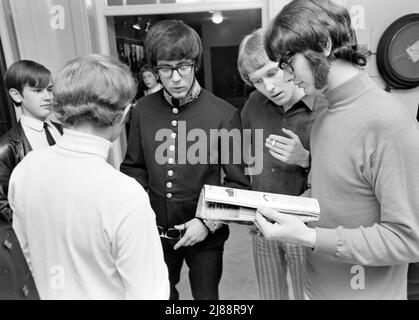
[105, 29]
[103, 12]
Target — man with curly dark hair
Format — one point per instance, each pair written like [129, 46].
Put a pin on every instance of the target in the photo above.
[364, 158]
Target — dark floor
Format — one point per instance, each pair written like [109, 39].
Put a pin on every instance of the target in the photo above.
[239, 279]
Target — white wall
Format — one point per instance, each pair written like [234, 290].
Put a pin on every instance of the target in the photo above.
[379, 14]
[51, 32]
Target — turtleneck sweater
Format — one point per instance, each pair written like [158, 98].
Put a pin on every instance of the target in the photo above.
[87, 230]
[365, 153]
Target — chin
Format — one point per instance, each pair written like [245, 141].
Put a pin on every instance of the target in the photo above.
[310, 91]
[178, 95]
[282, 101]
[43, 116]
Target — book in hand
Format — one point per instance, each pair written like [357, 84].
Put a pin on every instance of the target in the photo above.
[237, 205]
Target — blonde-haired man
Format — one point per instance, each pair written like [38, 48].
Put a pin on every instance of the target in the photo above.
[285, 115]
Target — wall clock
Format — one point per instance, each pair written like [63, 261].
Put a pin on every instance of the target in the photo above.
[398, 53]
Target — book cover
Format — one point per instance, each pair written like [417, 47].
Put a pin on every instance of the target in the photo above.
[236, 205]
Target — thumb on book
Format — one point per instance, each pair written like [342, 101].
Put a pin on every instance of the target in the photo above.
[275, 216]
[269, 213]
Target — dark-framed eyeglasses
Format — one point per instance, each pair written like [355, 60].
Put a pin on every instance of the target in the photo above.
[183, 70]
[171, 233]
[285, 64]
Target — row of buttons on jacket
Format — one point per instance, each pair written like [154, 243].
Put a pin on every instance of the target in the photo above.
[171, 161]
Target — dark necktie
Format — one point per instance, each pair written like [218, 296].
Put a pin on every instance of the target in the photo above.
[48, 134]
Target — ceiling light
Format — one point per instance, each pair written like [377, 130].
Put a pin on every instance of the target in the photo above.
[217, 17]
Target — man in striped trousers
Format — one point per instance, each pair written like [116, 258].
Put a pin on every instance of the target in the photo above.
[285, 115]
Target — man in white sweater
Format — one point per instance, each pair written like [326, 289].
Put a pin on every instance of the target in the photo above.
[87, 230]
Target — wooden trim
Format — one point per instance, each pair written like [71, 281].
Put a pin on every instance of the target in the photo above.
[148, 9]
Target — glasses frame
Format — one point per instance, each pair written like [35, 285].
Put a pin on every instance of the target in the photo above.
[284, 63]
[192, 64]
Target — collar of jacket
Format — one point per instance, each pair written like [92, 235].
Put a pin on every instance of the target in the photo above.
[192, 95]
[20, 142]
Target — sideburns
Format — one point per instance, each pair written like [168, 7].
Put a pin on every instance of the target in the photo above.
[320, 66]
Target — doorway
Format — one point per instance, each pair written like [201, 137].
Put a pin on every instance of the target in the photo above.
[107, 11]
[220, 41]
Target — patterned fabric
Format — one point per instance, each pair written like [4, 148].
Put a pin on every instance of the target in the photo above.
[192, 95]
[272, 260]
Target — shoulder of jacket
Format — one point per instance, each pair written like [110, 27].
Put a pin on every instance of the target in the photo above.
[220, 104]
[9, 141]
[255, 100]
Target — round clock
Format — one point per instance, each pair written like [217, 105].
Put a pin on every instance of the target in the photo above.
[398, 53]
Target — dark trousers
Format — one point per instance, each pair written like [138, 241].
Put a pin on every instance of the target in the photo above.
[205, 269]
[413, 282]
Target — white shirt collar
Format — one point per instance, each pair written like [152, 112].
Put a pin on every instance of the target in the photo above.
[84, 143]
[32, 123]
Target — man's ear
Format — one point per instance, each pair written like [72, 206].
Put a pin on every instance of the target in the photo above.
[328, 50]
[16, 96]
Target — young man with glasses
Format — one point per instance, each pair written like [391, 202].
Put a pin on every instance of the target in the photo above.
[174, 185]
[364, 162]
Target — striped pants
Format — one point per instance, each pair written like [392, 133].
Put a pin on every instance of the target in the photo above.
[272, 260]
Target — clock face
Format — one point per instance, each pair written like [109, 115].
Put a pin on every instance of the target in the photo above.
[398, 53]
[404, 52]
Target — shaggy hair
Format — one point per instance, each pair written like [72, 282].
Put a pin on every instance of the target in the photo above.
[252, 55]
[173, 40]
[93, 89]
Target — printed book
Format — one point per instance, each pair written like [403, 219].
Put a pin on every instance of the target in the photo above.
[237, 205]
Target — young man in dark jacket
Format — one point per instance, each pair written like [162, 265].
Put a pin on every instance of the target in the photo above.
[171, 154]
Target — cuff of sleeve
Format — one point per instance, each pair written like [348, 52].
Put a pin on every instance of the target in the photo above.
[326, 241]
[212, 225]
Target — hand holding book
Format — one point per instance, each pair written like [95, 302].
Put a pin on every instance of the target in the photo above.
[287, 228]
[236, 205]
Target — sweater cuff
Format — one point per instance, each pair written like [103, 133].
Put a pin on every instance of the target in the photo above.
[212, 225]
[326, 241]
